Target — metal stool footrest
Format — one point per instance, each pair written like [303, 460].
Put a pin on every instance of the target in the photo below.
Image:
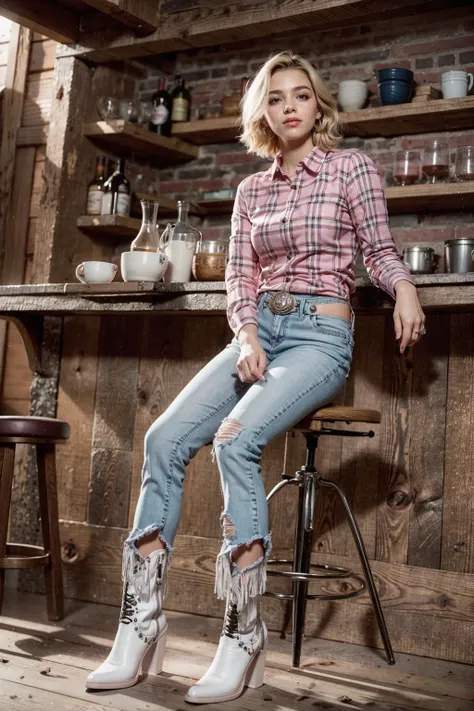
[328, 572]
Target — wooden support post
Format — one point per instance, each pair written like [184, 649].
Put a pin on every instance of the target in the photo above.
[16, 171]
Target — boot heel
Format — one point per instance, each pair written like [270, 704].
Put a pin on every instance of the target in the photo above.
[153, 659]
[256, 671]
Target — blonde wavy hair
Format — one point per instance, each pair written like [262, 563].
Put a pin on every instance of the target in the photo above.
[256, 133]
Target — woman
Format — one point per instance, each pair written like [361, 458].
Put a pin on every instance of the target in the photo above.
[296, 230]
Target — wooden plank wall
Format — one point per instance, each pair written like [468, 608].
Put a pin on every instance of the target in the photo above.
[119, 375]
[30, 158]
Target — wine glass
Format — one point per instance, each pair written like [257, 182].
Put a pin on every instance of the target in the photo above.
[436, 162]
[407, 167]
[108, 108]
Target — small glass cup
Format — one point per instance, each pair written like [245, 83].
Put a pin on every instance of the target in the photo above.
[464, 164]
[407, 167]
[435, 165]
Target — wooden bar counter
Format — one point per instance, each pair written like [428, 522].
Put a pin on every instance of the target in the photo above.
[411, 485]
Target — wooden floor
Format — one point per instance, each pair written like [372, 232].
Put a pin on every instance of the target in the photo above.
[43, 666]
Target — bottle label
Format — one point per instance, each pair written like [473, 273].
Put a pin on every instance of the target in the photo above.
[159, 115]
[123, 203]
[106, 208]
[180, 109]
[94, 202]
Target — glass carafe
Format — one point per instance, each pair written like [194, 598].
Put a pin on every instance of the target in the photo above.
[148, 239]
[179, 242]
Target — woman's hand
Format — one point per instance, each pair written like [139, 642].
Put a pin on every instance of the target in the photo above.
[408, 315]
[253, 361]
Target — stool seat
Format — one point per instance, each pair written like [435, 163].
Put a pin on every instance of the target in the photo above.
[34, 427]
[336, 413]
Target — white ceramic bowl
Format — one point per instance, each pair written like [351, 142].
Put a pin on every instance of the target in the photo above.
[143, 266]
[352, 94]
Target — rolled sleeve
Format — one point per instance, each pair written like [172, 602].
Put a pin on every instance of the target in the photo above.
[368, 210]
[242, 269]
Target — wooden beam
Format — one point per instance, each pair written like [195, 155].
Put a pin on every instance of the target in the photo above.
[47, 17]
[229, 23]
[13, 96]
[140, 15]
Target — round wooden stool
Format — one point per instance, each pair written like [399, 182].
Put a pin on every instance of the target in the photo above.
[44, 433]
[308, 480]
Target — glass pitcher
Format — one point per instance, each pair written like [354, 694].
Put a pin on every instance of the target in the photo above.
[179, 241]
[147, 239]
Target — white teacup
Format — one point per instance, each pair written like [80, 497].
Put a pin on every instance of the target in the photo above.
[456, 84]
[143, 266]
[96, 272]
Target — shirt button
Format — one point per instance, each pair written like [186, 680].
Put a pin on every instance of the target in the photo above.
[293, 187]
[283, 219]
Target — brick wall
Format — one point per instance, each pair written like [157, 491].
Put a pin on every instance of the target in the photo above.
[428, 44]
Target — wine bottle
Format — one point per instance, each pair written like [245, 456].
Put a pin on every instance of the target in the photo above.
[181, 98]
[117, 192]
[95, 188]
[160, 120]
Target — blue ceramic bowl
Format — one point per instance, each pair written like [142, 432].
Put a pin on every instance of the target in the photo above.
[394, 92]
[395, 73]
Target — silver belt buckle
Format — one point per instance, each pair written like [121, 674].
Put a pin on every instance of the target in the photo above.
[282, 303]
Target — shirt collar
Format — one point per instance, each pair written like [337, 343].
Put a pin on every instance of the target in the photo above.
[311, 163]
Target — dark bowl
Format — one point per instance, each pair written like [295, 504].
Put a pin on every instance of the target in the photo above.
[394, 92]
[395, 73]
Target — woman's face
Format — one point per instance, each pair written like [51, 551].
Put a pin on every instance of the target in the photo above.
[292, 108]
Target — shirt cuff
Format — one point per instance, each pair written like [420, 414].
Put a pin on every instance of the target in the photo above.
[245, 315]
[400, 277]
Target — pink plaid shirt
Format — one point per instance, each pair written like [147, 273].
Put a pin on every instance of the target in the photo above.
[304, 234]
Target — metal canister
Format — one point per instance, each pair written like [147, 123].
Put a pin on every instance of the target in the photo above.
[459, 255]
[419, 259]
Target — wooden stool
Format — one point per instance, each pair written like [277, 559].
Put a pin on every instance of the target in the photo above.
[45, 433]
[308, 479]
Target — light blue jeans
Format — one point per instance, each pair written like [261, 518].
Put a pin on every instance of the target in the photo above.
[308, 357]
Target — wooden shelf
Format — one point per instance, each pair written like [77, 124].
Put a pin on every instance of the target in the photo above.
[425, 197]
[215, 207]
[415, 117]
[216, 130]
[399, 120]
[122, 137]
[65, 21]
[109, 225]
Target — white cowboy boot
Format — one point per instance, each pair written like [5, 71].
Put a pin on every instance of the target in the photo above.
[240, 657]
[140, 641]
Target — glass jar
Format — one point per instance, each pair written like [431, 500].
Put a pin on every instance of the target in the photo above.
[464, 163]
[210, 259]
[179, 242]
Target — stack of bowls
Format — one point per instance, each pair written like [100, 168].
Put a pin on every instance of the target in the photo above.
[352, 94]
[395, 85]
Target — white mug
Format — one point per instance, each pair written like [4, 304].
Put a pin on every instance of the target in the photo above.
[96, 272]
[143, 266]
[456, 84]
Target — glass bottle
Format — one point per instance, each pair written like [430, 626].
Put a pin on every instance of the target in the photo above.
[147, 239]
[160, 119]
[117, 192]
[181, 102]
[95, 188]
[179, 242]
